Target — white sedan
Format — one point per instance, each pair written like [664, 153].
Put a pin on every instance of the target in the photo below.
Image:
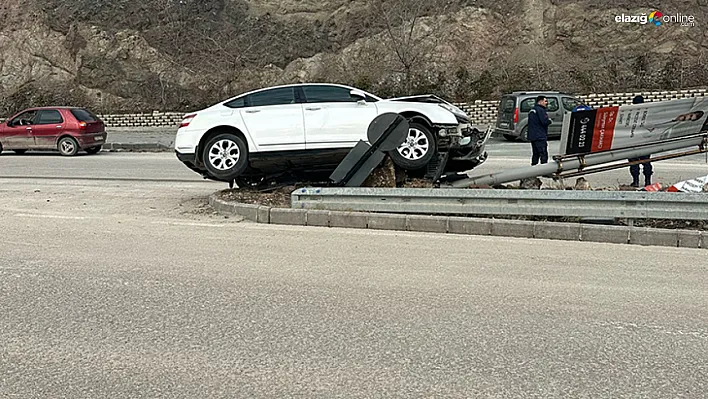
[311, 127]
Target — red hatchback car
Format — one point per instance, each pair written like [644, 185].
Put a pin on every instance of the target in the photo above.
[67, 129]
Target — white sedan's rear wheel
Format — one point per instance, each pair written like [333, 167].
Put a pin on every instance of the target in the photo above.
[225, 156]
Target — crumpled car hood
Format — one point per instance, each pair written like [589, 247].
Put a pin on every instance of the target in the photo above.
[421, 98]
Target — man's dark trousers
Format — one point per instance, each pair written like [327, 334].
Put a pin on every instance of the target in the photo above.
[539, 149]
[634, 171]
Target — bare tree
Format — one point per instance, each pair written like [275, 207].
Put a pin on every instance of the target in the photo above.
[410, 37]
[228, 49]
[173, 23]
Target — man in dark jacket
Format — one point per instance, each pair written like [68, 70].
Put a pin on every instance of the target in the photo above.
[634, 169]
[538, 131]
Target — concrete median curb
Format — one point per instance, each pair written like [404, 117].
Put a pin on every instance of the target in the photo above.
[136, 147]
[467, 226]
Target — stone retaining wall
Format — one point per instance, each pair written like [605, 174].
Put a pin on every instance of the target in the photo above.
[154, 119]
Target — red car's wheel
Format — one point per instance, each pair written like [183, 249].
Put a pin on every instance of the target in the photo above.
[68, 146]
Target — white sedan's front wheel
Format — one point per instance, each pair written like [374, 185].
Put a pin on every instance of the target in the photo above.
[225, 156]
[417, 149]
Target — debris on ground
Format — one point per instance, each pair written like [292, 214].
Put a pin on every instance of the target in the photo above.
[653, 223]
[383, 176]
[652, 187]
[417, 183]
[531, 183]
[582, 184]
[275, 198]
[696, 185]
[386, 175]
[668, 224]
[626, 187]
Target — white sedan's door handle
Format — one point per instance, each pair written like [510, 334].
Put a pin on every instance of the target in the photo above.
[313, 108]
[252, 111]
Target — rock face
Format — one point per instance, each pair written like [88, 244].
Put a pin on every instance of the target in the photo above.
[182, 55]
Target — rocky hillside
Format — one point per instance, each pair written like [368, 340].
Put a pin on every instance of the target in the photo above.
[127, 55]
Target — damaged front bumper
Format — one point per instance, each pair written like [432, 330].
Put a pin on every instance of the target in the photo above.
[465, 144]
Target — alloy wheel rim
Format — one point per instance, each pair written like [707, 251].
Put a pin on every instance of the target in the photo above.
[224, 154]
[67, 146]
[415, 146]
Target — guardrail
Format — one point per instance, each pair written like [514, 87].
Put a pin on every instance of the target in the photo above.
[600, 204]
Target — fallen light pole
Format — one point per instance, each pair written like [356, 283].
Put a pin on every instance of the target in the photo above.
[581, 164]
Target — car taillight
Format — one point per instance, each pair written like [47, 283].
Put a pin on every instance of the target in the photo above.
[516, 115]
[187, 119]
[82, 125]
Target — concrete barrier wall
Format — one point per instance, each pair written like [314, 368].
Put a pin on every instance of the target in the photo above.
[480, 112]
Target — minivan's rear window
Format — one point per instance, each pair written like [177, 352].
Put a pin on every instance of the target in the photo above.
[83, 115]
[508, 104]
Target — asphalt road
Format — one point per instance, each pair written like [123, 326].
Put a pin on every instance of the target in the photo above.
[132, 288]
[165, 166]
[105, 165]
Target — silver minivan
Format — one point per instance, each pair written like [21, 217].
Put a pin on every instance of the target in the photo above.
[512, 120]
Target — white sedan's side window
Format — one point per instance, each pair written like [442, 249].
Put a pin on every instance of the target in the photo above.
[280, 96]
[327, 94]
[237, 103]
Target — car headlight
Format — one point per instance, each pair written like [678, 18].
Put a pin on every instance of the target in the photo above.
[451, 108]
[460, 114]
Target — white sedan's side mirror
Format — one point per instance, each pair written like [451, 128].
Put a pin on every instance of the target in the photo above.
[358, 95]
